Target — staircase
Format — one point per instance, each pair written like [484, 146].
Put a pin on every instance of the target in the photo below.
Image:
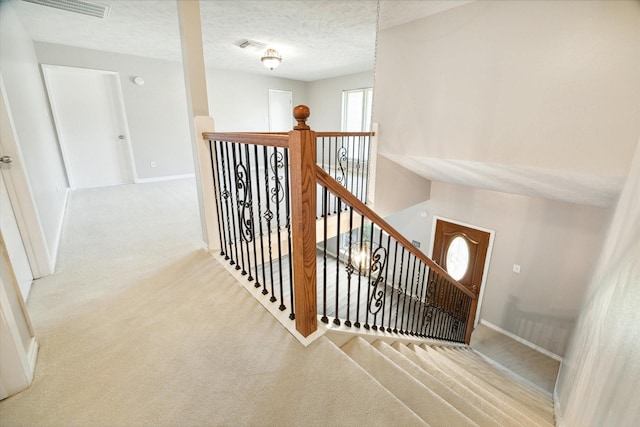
[452, 385]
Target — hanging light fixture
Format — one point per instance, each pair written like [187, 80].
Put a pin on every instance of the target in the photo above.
[271, 59]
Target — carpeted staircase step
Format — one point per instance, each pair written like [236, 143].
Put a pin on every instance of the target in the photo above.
[521, 412]
[518, 389]
[428, 405]
[488, 365]
[470, 397]
[472, 412]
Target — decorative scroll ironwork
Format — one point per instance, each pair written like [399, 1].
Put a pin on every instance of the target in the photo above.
[378, 262]
[341, 155]
[276, 162]
[245, 208]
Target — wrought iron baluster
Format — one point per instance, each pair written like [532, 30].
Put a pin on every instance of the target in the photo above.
[216, 194]
[393, 281]
[409, 292]
[250, 186]
[406, 289]
[336, 320]
[417, 297]
[245, 204]
[225, 196]
[222, 217]
[234, 242]
[258, 191]
[400, 291]
[269, 217]
[360, 261]
[277, 163]
[377, 295]
[288, 209]
[386, 284]
[349, 267]
[325, 202]
[239, 205]
[423, 298]
[371, 283]
[375, 300]
[358, 266]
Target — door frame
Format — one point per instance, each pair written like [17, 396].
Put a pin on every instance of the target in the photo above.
[487, 259]
[20, 195]
[121, 112]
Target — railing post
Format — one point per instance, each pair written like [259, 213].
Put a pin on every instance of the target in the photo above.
[302, 155]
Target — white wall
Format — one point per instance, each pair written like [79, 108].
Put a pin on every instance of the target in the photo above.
[325, 99]
[34, 126]
[550, 84]
[555, 243]
[156, 112]
[599, 377]
[239, 102]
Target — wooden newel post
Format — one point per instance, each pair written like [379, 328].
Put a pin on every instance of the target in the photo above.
[302, 155]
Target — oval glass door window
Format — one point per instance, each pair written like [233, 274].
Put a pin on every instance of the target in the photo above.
[457, 257]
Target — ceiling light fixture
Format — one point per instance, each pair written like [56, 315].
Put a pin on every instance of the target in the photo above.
[271, 59]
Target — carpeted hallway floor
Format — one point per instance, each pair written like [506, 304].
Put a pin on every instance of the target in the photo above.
[139, 326]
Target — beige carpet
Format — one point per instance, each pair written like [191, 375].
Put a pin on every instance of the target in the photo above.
[536, 367]
[139, 326]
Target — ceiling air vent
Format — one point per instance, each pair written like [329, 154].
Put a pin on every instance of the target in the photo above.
[250, 44]
[76, 6]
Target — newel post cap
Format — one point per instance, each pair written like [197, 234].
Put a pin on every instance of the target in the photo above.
[301, 113]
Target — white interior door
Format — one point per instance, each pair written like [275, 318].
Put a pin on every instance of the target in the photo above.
[13, 241]
[280, 111]
[89, 115]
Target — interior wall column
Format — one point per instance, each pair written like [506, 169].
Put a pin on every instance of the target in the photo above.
[195, 84]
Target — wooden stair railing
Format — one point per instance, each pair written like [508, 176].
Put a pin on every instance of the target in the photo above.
[236, 157]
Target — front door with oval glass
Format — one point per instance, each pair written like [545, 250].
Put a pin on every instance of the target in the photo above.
[462, 252]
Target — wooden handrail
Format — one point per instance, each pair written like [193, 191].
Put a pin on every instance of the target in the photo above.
[324, 179]
[266, 139]
[345, 133]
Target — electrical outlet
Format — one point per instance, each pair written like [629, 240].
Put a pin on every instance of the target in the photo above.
[415, 243]
[152, 164]
[516, 268]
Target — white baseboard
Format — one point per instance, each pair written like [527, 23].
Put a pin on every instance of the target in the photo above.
[164, 178]
[521, 340]
[56, 248]
[557, 411]
[32, 357]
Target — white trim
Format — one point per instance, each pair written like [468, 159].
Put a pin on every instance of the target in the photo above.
[521, 340]
[56, 243]
[557, 411]
[32, 355]
[487, 260]
[164, 178]
[21, 196]
[281, 316]
[121, 112]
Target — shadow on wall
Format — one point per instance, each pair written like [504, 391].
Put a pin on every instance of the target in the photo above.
[550, 331]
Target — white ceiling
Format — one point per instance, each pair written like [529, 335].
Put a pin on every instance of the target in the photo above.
[317, 39]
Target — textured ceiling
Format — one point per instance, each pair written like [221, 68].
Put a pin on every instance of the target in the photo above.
[571, 187]
[317, 39]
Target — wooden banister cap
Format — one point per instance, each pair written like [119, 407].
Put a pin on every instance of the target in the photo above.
[301, 113]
